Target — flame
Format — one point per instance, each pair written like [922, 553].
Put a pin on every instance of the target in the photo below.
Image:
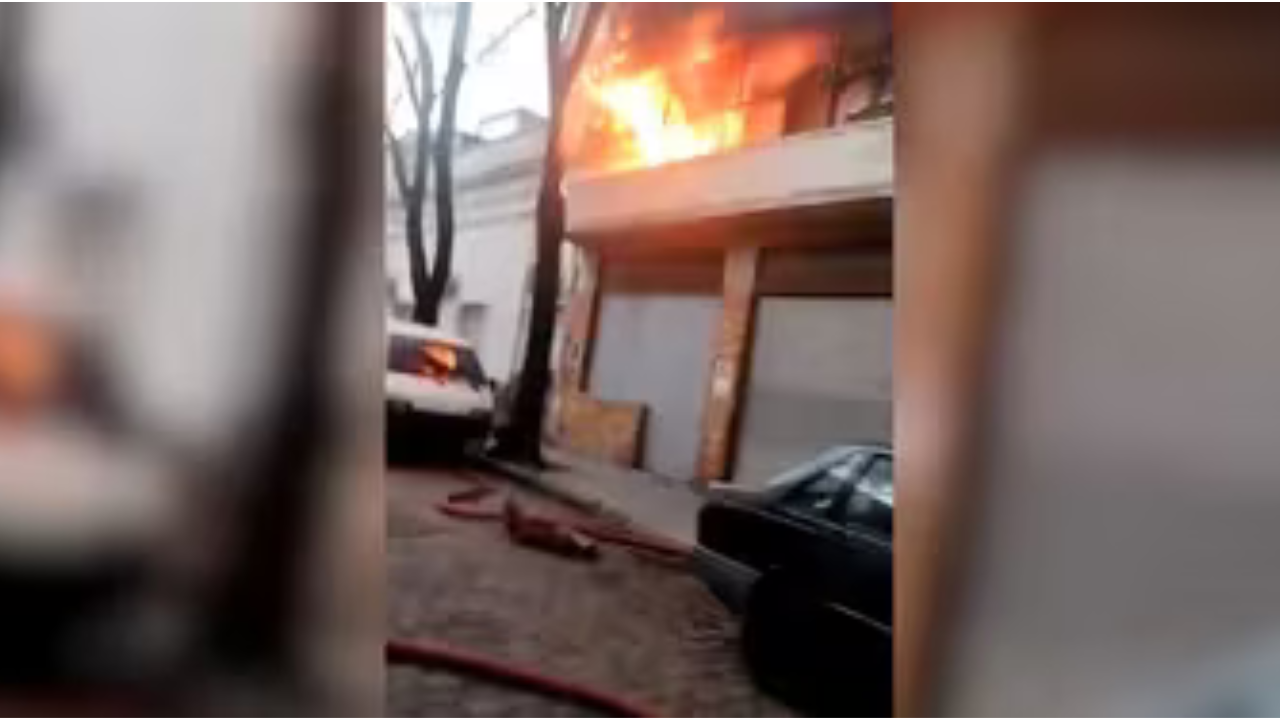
[438, 360]
[686, 89]
[643, 110]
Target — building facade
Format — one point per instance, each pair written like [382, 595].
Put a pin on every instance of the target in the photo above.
[737, 315]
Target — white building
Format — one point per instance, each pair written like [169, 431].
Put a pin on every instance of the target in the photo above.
[495, 192]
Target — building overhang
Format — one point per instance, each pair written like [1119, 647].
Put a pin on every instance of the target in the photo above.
[781, 187]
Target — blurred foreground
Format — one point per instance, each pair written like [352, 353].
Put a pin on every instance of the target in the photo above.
[188, 465]
[1086, 401]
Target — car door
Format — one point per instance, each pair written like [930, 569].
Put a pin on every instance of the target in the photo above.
[818, 628]
[836, 553]
[861, 573]
[766, 531]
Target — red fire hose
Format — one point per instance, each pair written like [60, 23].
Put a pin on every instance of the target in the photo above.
[424, 655]
[462, 505]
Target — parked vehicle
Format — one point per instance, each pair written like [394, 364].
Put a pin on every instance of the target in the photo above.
[808, 560]
[435, 386]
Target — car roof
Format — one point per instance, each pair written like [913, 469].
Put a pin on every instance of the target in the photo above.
[784, 480]
[874, 447]
[404, 328]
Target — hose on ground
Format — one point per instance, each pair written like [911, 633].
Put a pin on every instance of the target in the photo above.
[462, 505]
[430, 655]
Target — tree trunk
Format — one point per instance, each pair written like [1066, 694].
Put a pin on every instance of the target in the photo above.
[521, 440]
[413, 189]
[424, 311]
[442, 156]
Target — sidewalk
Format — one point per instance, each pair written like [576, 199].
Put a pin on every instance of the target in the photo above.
[652, 503]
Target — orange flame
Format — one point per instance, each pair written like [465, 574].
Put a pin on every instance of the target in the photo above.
[687, 88]
[644, 111]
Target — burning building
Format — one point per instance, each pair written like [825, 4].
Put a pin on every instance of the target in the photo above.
[730, 197]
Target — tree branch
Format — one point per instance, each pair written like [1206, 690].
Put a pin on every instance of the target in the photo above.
[578, 52]
[426, 85]
[419, 76]
[398, 168]
[426, 69]
[502, 36]
[410, 77]
[458, 44]
[566, 66]
[554, 30]
[443, 157]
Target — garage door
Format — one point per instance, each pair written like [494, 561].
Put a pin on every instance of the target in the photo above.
[820, 376]
[656, 350]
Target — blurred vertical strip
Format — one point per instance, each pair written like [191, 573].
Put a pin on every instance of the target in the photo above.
[12, 36]
[1084, 414]
[337, 120]
[958, 96]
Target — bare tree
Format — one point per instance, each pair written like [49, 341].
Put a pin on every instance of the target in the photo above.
[498, 40]
[442, 155]
[411, 172]
[411, 176]
[521, 440]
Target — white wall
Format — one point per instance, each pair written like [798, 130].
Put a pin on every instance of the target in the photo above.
[493, 251]
[493, 262]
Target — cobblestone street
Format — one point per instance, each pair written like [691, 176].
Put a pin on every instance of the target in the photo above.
[630, 626]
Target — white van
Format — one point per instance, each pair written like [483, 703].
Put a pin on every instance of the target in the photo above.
[435, 383]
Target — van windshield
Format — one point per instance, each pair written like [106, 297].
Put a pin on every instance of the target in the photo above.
[434, 359]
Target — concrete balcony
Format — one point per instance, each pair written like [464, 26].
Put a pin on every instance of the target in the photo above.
[834, 166]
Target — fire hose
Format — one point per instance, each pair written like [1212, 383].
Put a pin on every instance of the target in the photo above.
[426, 655]
[521, 525]
[548, 534]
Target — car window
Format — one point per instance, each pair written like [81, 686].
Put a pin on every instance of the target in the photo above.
[877, 480]
[432, 358]
[870, 505]
[819, 496]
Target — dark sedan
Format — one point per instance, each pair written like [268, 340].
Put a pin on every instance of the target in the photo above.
[808, 559]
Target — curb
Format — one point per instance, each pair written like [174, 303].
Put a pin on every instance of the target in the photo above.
[534, 480]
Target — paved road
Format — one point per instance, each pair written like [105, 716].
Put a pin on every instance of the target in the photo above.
[627, 625]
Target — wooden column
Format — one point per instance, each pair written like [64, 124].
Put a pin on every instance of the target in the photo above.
[729, 358]
[575, 352]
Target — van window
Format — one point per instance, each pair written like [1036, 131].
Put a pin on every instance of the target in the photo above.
[434, 359]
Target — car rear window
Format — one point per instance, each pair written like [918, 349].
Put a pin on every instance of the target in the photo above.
[434, 358]
[871, 502]
[817, 496]
[856, 492]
